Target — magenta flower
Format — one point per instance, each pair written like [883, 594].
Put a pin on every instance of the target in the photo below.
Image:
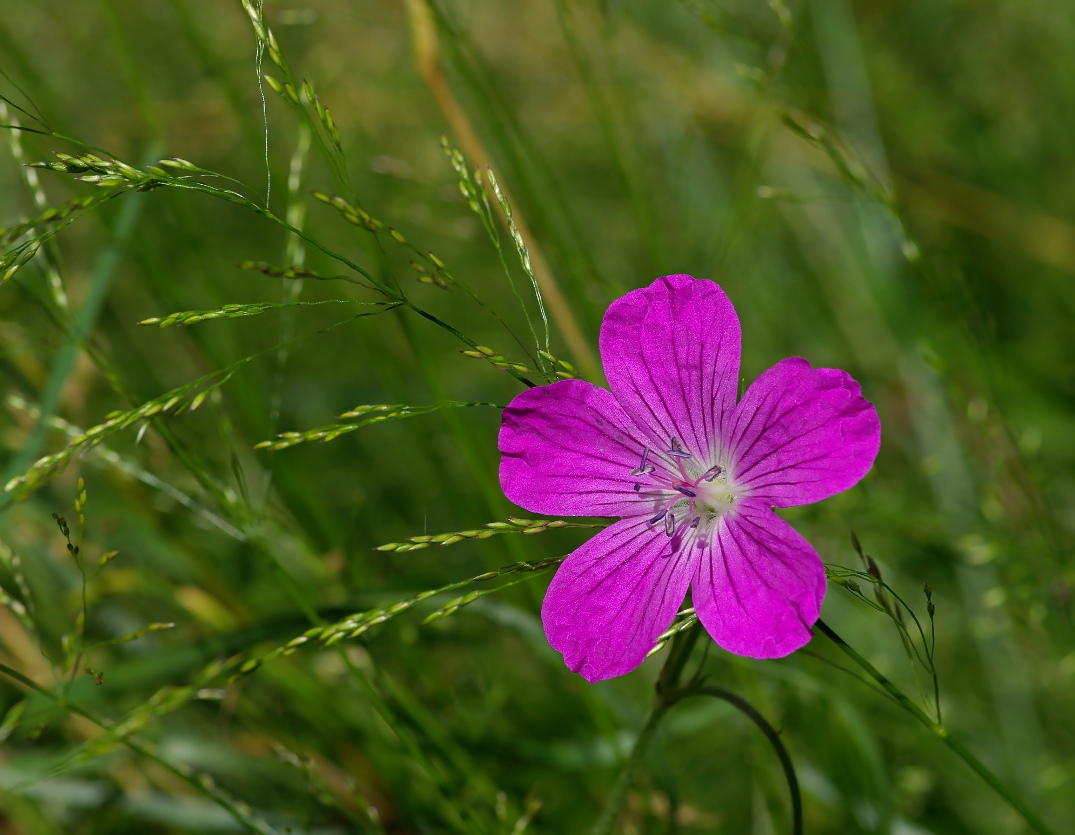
[694, 476]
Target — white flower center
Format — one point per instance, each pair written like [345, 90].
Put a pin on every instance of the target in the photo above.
[716, 498]
[687, 491]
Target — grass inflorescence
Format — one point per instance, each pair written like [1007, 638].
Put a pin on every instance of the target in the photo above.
[365, 415]
[513, 525]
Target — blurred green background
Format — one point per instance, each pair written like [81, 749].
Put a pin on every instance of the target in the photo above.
[881, 187]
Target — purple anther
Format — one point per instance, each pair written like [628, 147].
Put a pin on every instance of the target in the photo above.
[637, 487]
[712, 472]
[677, 451]
[696, 521]
[669, 524]
[686, 491]
[642, 469]
[658, 517]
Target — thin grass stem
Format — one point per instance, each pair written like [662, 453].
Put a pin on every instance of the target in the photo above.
[940, 731]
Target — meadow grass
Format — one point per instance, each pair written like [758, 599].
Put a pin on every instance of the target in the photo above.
[268, 272]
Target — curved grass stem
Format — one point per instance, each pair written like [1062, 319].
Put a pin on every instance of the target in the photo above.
[771, 734]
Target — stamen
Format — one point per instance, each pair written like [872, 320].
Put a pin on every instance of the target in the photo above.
[686, 491]
[669, 524]
[658, 517]
[696, 521]
[677, 451]
[637, 487]
[642, 469]
[712, 472]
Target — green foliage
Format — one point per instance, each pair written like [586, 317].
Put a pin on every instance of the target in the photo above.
[187, 609]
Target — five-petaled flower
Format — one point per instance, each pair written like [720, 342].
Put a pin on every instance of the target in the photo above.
[694, 477]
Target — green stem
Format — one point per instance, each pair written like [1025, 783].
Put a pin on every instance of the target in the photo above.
[615, 800]
[940, 731]
[678, 655]
[680, 651]
[772, 734]
[668, 694]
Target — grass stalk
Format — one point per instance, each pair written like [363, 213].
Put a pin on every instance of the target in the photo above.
[940, 731]
[427, 56]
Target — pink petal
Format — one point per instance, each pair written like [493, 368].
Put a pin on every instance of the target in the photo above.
[614, 596]
[566, 449]
[671, 356]
[802, 434]
[759, 584]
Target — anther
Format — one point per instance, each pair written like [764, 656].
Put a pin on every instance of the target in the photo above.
[637, 487]
[686, 491]
[677, 451]
[712, 472]
[696, 521]
[669, 524]
[642, 469]
[658, 517]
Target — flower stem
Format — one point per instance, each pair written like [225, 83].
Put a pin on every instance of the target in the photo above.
[619, 791]
[678, 654]
[668, 694]
[940, 731]
[680, 651]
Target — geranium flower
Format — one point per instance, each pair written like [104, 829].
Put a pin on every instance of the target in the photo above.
[694, 476]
